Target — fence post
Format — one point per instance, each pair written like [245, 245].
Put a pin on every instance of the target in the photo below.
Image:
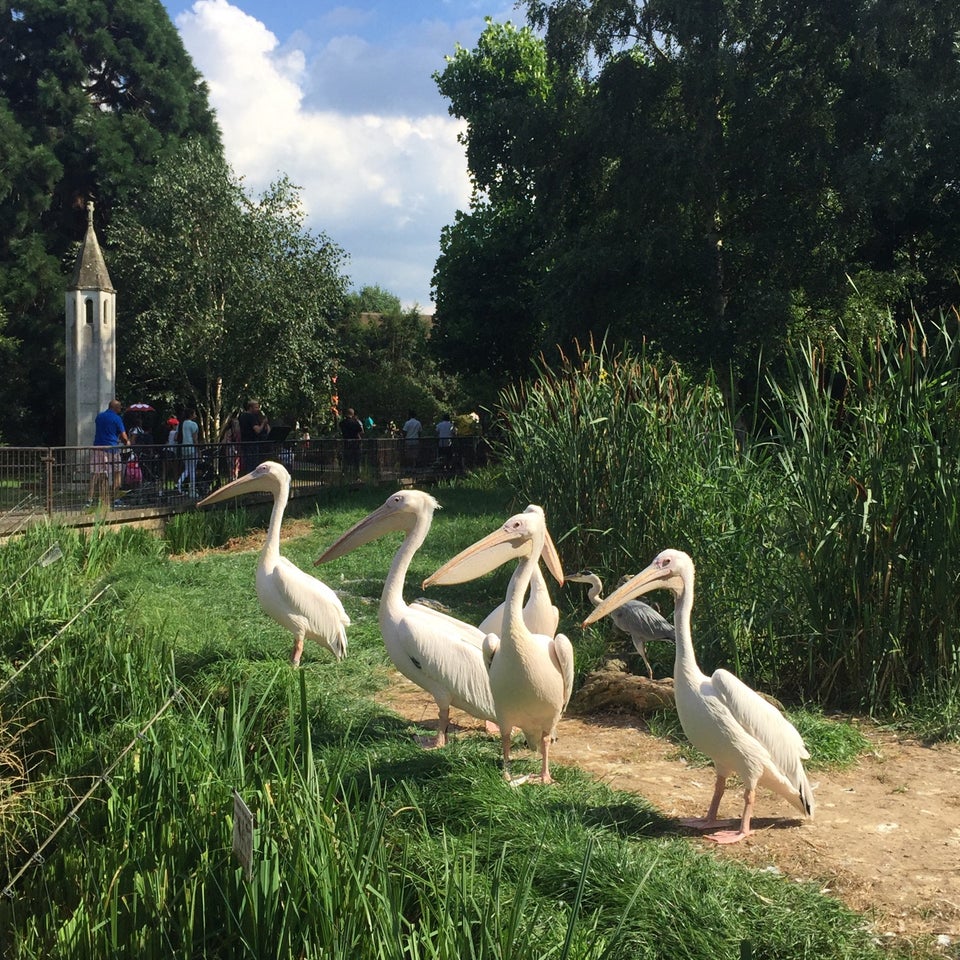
[48, 460]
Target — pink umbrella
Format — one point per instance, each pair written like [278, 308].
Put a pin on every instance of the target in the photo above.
[141, 407]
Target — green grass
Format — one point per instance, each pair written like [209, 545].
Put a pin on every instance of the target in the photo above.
[366, 845]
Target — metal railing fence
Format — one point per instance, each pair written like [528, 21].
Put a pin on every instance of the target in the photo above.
[71, 483]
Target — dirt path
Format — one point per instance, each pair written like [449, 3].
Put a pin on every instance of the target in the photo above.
[885, 840]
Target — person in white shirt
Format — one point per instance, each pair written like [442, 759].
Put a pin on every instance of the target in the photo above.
[189, 432]
[446, 431]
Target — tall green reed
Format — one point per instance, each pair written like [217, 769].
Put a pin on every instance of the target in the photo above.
[628, 455]
[869, 449]
[826, 538]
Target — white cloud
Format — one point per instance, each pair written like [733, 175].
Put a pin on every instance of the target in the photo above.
[380, 183]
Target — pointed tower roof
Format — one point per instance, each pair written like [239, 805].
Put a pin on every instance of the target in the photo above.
[90, 272]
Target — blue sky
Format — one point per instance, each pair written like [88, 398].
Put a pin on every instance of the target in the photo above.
[340, 99]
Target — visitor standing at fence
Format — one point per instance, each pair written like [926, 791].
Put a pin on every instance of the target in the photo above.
[254, 429]
[189, 434]
[446, 431]
[352, 431]
[106, 465]
[411, 444]
[171, 468]
[231, 439]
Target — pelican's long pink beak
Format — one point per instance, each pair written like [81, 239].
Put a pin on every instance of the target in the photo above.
[480, 558]
[383, 520]
[649, 579]
[264, 478]
[491, 552]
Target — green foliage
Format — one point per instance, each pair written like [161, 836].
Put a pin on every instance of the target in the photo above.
[365, 846]
[211, 528]
[386, 363]
[869, 447]
[229, 296]
[92, 96]
[704, 177]
[824, 553]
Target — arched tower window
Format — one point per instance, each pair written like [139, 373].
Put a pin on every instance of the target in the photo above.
[88, 307]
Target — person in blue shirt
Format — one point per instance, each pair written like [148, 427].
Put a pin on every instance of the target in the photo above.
[106, 465]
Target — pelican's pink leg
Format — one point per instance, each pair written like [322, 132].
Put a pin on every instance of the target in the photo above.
[545, 753]
[442, 724]
[734, 836]
[297, 651]
[505, 744]
[710, 820]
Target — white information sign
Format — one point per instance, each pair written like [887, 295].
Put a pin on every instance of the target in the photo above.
[243, 835]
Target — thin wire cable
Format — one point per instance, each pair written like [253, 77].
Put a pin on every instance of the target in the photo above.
[50, 555]
[23, 666]
[37, 856]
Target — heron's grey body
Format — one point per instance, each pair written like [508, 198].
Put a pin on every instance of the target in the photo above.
[637, 619]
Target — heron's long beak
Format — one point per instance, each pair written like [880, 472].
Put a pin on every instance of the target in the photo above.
[256, 481]
[648, 579]
[382, 521]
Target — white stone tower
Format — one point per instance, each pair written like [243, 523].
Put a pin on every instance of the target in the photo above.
[91, 322]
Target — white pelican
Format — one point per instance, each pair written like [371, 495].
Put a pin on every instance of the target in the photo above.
[437, 652]
[539, 613]
[531, 675]
[637, 619]
[722, 717]
[298, 602]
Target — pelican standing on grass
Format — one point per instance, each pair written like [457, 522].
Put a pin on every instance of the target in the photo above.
[539, 613]
[636, 618]
[722, 717]
[531, 675]
[437, 652]
[298, 602]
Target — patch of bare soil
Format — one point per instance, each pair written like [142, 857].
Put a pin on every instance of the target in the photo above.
[885, 839]
[253, 540]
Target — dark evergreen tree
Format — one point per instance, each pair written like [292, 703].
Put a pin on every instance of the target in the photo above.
[93, 94]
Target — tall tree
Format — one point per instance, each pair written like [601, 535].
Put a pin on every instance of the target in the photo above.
[92, 94]
[229, 297]
[486, 280]
[710, 174]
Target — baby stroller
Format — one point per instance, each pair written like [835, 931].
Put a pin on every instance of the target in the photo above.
[206, 471]
[141, 476]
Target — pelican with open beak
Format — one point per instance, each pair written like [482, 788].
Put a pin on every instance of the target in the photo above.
[531, 675]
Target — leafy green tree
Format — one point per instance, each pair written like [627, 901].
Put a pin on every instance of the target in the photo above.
[371, 300]
[709, 175]
[93, 93]
[230, 297]
[486, 280]
[386, 364]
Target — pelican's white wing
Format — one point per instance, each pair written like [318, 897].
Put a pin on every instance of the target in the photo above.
[440, 654]
[762, 721]
[295, 599]
[465, 632]
[561, 654]
[491, 644]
